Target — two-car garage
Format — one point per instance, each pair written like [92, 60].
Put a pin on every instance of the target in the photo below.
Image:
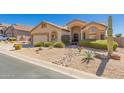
[46, 32]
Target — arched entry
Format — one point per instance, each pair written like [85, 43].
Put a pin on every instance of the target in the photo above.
[76, 37]
[76, 34]
[102, 37]
[54, 36]
[84, 36]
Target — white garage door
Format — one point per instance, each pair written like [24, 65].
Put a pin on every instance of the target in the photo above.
[40, 38]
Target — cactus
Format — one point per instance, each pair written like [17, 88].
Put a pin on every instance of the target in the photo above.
[110, 37]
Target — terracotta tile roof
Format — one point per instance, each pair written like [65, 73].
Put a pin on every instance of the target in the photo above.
[64, 28]
[23, 27]
[76, 20]
[102, 24]
[61, 27]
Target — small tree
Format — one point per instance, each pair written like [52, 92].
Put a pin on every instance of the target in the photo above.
[110, 37]
[118, 35]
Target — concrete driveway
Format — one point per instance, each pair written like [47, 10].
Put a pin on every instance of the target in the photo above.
[12, 68]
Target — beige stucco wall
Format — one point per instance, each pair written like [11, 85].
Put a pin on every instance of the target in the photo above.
[101, 29]
[65, 33]
[49, 29]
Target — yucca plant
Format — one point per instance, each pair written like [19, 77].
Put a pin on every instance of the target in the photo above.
[87, 56]
[110, 37]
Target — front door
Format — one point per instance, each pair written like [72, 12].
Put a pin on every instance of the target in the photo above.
[76, 38]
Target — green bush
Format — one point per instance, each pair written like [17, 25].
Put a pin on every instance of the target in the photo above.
[66, 39]
[18, 46]
[48, 44]
[66, 42]
[59, 45]
[38, 44]
[98, 44]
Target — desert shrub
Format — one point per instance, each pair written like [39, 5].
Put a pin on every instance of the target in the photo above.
[38, 44]
[80, 49]
[66, 42]
[66, 39]
[48, 44]
[59, 45]
[12, 39]
[115, 45]
[51, 47]
[17, 46]
[98, 44]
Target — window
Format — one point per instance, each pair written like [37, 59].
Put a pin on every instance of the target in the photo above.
[76, 37]
[84, 36]
[102, 36]
[43, 25]
[93, 29]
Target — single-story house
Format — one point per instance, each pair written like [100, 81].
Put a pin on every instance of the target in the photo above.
[74, 31]
[21, 32]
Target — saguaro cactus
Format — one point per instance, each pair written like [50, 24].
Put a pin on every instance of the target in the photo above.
[110, 37]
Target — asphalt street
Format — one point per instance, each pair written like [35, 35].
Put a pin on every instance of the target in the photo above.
[12, 68]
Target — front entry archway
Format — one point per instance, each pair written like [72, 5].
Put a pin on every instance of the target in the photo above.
[76, 34]
[54, 36]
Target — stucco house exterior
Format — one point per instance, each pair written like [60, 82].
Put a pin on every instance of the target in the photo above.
[74, 31]
[21, 32]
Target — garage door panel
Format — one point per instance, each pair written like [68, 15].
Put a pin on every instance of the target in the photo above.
[40, 38]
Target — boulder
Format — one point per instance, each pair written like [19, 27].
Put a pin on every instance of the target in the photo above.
[100, 56]
[115, 57]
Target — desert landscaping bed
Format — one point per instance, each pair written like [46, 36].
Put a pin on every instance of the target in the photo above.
[110, 69]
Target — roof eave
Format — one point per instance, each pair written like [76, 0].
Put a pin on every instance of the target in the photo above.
[75, 20]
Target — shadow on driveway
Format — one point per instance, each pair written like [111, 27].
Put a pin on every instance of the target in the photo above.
[102, 67]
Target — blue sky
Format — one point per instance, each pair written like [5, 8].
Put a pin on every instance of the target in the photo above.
[62, 19]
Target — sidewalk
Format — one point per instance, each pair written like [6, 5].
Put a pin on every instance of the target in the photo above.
[64, 70]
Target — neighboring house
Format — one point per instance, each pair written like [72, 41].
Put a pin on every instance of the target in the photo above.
[74, 31]
[120, 41]
[3, 28]
[21, 32]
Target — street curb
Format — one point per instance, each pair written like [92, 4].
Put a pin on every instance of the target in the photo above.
[58, 68]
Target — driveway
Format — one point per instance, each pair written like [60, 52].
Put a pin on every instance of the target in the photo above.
[12, 68]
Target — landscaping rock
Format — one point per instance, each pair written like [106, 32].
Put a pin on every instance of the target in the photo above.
[115, 57]
[100, 56]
